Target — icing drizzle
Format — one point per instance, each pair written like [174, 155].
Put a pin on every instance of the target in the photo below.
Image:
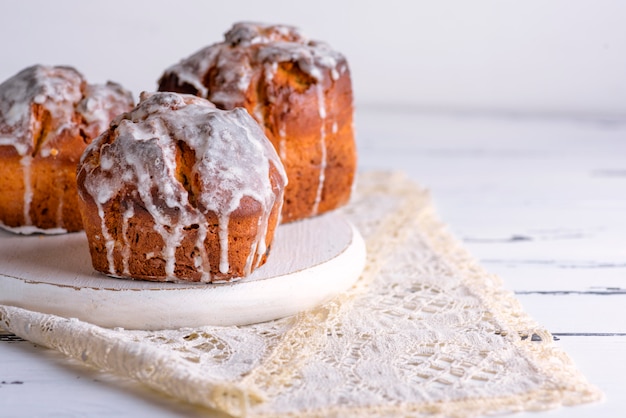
[232, 160]
[322, 176]
[247, 45]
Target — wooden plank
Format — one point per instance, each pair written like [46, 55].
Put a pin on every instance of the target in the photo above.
[35, 381]
[600, 359]
[538, 201]
[576, 313]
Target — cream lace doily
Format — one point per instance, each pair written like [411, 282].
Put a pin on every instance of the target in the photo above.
[425, 332]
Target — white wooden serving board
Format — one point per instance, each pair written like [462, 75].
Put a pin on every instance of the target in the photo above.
[311, 261]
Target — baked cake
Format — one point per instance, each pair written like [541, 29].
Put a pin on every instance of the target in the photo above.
[178, 190]
[299, 90]
[48, 115]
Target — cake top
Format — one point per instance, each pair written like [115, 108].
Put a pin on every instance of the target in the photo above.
[55, 88]
[64, 94]
[247, 46]
[248, 33]
[101, 104]
[184, 156]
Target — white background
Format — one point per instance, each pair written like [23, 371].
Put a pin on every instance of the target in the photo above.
[546, 56]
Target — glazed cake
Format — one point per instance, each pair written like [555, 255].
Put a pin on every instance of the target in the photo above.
[48, 115]
[178, 190]
[300, 92]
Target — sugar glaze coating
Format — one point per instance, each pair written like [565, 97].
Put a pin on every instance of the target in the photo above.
[273, 44]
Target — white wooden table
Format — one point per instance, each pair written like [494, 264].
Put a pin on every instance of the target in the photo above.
[539, 200]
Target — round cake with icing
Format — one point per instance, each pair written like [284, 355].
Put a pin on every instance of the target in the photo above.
[178, 190]
[48, 115]
[300, 92]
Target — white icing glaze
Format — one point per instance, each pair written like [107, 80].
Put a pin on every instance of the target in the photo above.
[26, 163]
[321, 103]
[191, 70]
[100, 104]
[63, 92]
[260, 244]
[30, 230]
[108, 239]
[247, 45]
[250, 33]
[232, 160]
[313, 59]
[200, 257]
[128, 213]
[223, 235]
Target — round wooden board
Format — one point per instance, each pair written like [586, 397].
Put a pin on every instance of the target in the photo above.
[311, 261]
